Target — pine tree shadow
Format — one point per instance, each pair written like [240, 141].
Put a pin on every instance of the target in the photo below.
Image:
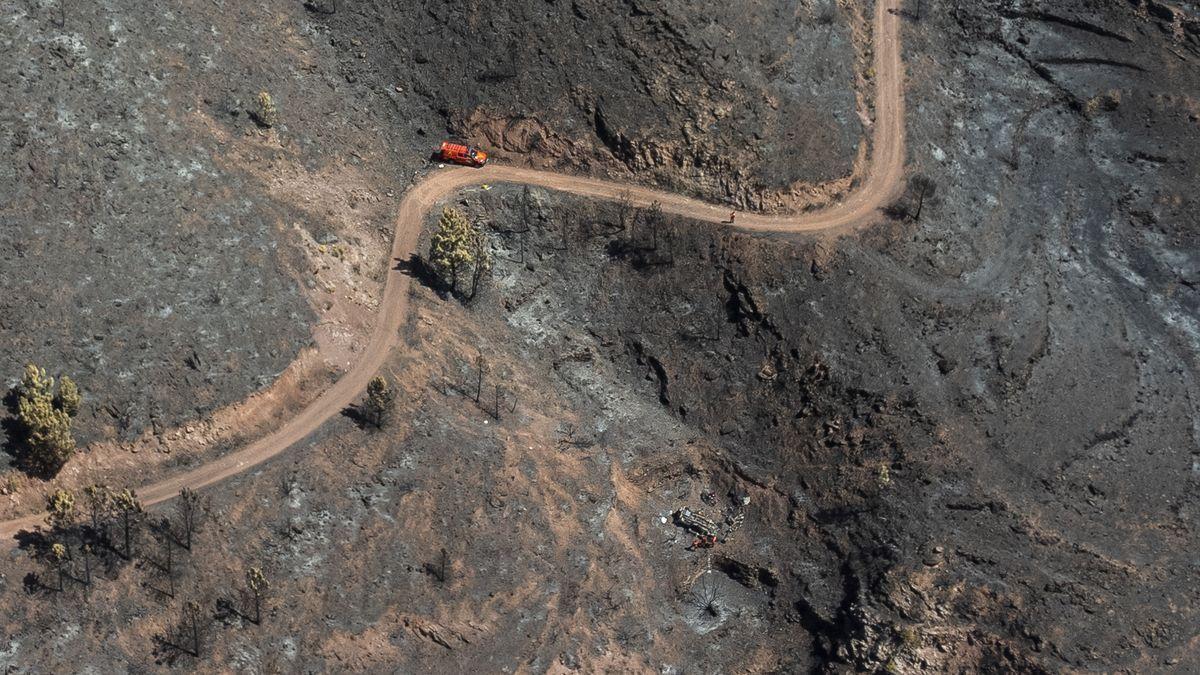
[355, 414]
[418, 268]
[167, 652]
[13, 442]
[229, 615]
[33, 585]
[34, 541]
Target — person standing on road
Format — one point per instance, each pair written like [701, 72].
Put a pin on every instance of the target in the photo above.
[731, 216]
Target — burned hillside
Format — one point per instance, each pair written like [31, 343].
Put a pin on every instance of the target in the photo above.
[958, 437]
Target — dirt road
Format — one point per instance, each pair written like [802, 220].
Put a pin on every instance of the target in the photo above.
[883, 181]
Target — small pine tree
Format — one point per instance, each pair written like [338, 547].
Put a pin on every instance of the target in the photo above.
[60, 510]
[257, 585]
[265, 112]
[481, 260]
[68, 398]
[58, 559]
[192, 624]
[481, 370]
[192, 509]
[166, 564]
[441, 570]
[87, 552]
[98, 500]
[923, 187]
[381, 398]
[130, 508]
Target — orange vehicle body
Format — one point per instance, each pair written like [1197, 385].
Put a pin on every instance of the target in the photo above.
[457, 153]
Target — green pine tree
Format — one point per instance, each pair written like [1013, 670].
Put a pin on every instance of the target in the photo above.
[129, 507]
[46, 420]
[68, 398]
[452, 247]
[60, 510]
[257, 585]
[380, 400]
[265, 113]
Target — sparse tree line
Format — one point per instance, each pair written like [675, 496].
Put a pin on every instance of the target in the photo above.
[459, 254]
[478, 382]
[94, 533]
[461, 260]
[646, 236]
[590, 220]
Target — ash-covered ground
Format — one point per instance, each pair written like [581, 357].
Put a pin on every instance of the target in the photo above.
[968, 440]
[151, 230]
[741, 102]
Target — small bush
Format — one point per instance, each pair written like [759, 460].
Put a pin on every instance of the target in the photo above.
[10, 484]
[265, 113]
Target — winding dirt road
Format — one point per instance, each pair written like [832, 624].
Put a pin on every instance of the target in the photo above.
[882, 183]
